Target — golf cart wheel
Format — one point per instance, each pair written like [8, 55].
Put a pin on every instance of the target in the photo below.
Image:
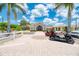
[71, 41]
[52, 38]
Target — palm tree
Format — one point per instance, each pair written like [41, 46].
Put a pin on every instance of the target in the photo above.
[70, 7]
[12, 7]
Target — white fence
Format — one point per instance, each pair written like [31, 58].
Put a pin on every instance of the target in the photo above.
[13, 35]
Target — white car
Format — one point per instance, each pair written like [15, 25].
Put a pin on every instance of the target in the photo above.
[75, 34]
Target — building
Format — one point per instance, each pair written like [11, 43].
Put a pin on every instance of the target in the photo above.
[38, 26]
[42, 27]
[57, 28]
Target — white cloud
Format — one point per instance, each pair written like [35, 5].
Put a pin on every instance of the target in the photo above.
[0, 17]
[60, 24]
[19, 20]
[73, 23]
[39, 10]
[49, 21]
[62, 12]
[24, 17]
[41, 7]
[73, 12]
[46, 13]
[74, 15]
[25, 5]
[28, 12]
[54, 22]
[56, 19]
[27, 9]
[36, 13]
[78, 20]
[50, 6]
[32, 18]
[76, 5]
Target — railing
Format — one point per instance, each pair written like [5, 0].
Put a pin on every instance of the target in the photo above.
[13, 35]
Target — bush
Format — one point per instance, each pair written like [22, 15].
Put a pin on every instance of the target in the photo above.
[3, 26]
[18, 28]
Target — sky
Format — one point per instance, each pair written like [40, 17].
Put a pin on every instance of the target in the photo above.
[43, 12]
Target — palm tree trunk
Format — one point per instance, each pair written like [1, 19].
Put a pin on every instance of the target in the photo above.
[2, 25]
[69, 20]
[8, 18]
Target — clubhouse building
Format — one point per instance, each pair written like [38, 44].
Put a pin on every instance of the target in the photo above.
[42, 27]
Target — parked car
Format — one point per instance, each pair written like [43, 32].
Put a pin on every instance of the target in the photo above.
[75, 34]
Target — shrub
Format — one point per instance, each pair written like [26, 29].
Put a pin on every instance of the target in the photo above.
[18, 28]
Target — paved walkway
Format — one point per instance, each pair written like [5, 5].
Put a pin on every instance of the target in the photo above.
[37, 45]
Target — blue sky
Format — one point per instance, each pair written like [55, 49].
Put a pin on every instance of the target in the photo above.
[43, 12]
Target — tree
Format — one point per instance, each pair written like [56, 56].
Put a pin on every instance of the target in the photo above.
[3, 26]
[12, 7]
[1, 19]
[23, 24]
[13, 26]
[70, 7]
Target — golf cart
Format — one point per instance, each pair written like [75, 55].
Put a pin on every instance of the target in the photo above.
[61, 37]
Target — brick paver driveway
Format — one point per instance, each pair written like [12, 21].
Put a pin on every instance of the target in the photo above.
[37, 45]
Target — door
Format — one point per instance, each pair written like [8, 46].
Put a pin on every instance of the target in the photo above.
[39, 28]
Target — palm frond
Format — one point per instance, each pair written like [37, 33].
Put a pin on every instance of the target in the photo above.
[58, 5]
[20, 7]
[15, 13]
[1, 6]
[69, 5]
